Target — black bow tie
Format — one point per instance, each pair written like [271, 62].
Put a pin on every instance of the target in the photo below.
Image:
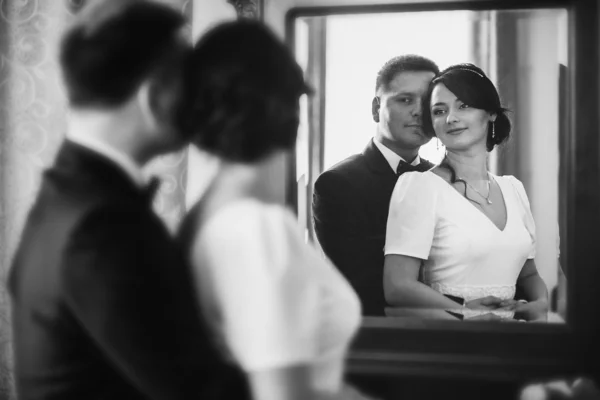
[149, 191]
[403, 167]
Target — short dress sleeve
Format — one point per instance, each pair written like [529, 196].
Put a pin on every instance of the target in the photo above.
[265, 304]
[412, 217]
[525, 212]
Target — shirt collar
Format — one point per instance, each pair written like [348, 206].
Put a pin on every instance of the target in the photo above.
[124, 161]
[392, 158]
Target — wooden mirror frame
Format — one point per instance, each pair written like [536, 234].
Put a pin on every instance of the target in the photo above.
[509, 353]
[250, 9]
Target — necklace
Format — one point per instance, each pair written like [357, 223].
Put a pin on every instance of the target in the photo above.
[487, 198]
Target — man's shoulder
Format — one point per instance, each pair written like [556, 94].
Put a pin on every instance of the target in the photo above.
[71, 211]
[351, 167]
[62, 220]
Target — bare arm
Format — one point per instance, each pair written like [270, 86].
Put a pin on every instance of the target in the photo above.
[402, 288]
[532, 284]
[535, 292]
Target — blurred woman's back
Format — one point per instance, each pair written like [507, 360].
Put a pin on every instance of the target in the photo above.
[280, 311]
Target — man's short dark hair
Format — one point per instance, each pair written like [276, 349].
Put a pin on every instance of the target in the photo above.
[408, 62]
[246, 86]
[113, 46]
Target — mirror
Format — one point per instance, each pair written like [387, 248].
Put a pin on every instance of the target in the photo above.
[523, 52]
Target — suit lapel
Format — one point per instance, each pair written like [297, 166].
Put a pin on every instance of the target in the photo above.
[382, 180]
[376, 161]
[378, 189]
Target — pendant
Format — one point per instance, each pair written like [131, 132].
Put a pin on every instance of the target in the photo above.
[489, 201]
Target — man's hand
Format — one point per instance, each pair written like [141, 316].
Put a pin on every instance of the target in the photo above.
[532, 311]
[484, 303]
[509, 305]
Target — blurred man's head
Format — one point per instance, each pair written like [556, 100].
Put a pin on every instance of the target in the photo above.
[400, 87]
[128, 57]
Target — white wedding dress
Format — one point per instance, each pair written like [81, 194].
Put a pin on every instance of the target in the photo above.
[270, 297]
[465, 254]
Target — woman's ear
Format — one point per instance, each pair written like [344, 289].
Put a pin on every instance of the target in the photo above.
[493, 117]
[375, 105]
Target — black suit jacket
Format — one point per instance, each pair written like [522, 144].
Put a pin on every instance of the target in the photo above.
[350, 209]
[103, 306]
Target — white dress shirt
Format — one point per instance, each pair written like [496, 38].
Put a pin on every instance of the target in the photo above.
[392, 158]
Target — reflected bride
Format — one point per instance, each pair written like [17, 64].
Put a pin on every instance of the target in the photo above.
[457, 235]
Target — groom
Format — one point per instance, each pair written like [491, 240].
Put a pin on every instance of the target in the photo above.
[351, 200]
[102, 302]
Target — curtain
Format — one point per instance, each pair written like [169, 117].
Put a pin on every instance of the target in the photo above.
[33, 113]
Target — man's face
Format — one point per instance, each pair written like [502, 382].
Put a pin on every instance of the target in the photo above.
[397, 109]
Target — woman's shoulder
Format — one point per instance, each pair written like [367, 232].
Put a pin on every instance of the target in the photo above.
[419, 184]
[417, 188]
[440, 175]
[517, 187]
[255, 229]
[512, 181]
[249, 214]
[427, 179]
[507, 178]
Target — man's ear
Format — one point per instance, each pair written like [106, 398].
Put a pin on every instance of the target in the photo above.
[375, 105]
[145, 102]
[156, 101]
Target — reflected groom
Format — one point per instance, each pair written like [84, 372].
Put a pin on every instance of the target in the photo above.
[351, 199]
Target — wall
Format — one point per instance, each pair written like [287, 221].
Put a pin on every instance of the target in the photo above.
[538, 128]
[275, 11]
[32, 123]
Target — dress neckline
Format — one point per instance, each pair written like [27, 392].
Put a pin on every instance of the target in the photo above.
[484, 215]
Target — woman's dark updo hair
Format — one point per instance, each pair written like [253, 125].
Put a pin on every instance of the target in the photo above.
[471, 86]
[244, 92]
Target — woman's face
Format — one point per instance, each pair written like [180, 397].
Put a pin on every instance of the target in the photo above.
[456, 124]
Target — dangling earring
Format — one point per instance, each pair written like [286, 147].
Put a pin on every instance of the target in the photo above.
[493, 130]
[437, 143]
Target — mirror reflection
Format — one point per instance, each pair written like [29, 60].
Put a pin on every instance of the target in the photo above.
[428, 159]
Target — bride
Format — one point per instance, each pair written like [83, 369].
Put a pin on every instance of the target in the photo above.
[277, 309]
[458, 233]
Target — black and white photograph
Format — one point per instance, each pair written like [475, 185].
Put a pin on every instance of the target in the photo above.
[299, 199]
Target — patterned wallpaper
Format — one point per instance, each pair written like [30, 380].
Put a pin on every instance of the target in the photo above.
[32, 124]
